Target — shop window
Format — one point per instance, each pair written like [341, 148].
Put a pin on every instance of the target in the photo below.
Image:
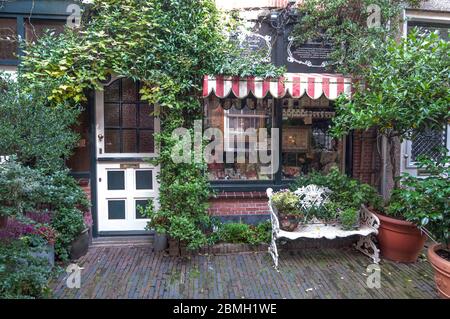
[129, 121]
[36, 28]
[306, 142]
[8, 39]
[240, 122]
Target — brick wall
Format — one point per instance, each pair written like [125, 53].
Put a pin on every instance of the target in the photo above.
[250, 207]
[86, 186]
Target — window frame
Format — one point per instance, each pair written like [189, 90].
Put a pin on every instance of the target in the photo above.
[20, 27]
[100, 129]
[277, 182]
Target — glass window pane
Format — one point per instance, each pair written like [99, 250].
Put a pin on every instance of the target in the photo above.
[306, 142]
[8, 39]
[146, 119]
[140, 203]
[112, 115]
[116, 180]
[112, 141]
[146, 141]
[240, 124]
[129, 115]
[116, 209]
[144, 179]
[112, 92]
[129, 140]
[35, 28]
[129, 90]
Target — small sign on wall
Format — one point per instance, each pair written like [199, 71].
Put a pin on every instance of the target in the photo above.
[130, 165]
[311, 56]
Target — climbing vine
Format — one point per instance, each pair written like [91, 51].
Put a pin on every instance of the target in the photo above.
[354, 28]
[167, 45]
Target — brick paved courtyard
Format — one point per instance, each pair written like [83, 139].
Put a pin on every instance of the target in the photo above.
[137, 272]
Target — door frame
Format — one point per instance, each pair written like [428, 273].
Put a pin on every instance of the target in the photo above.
[94, 97]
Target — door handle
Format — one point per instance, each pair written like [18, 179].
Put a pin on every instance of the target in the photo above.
[100, 137]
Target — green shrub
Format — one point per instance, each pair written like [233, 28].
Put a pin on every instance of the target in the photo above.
[25, 189]
[183, 213]
[345, 199]
[69, 223]
[348, 218]
[60, 190]
[241, 233]
[39, 135]
[18, 183]
[346, 191]
[21, 274]
[425, 201]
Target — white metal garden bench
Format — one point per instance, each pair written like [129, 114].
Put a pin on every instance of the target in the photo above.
[368, 228]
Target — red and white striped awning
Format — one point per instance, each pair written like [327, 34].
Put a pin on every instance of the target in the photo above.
[294, 85]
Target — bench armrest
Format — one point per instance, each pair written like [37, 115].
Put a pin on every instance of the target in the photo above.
[369, 219]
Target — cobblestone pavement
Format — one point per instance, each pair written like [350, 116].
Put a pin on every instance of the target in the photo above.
[137, 272]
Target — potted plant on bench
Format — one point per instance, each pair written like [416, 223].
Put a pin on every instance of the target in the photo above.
[287, 205]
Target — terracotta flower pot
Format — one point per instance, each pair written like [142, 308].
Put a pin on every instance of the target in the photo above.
[441, 271]
[288, 222]
[399, 240]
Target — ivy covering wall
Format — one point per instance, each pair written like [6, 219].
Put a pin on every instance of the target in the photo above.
[167, 45]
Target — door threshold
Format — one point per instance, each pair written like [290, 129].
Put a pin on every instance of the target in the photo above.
[126, 233]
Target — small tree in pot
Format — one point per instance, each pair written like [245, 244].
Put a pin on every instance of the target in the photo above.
[406, 92]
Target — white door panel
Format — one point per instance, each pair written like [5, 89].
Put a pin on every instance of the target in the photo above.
[124, 180]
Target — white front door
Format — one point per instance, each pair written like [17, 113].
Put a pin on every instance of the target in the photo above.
[125, 130]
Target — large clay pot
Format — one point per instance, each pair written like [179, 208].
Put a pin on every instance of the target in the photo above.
[441, 271]
[399, 240]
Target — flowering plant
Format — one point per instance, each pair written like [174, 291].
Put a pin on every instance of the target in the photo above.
[88, 218]
[32, 233]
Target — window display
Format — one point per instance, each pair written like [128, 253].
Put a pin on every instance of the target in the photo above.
[240, 123]
[307, 145]
[304, 143]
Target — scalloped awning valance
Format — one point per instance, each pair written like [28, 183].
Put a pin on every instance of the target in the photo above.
[294, 85]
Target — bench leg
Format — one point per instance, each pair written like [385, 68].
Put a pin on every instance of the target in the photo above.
[367, 246]
[274, 252]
